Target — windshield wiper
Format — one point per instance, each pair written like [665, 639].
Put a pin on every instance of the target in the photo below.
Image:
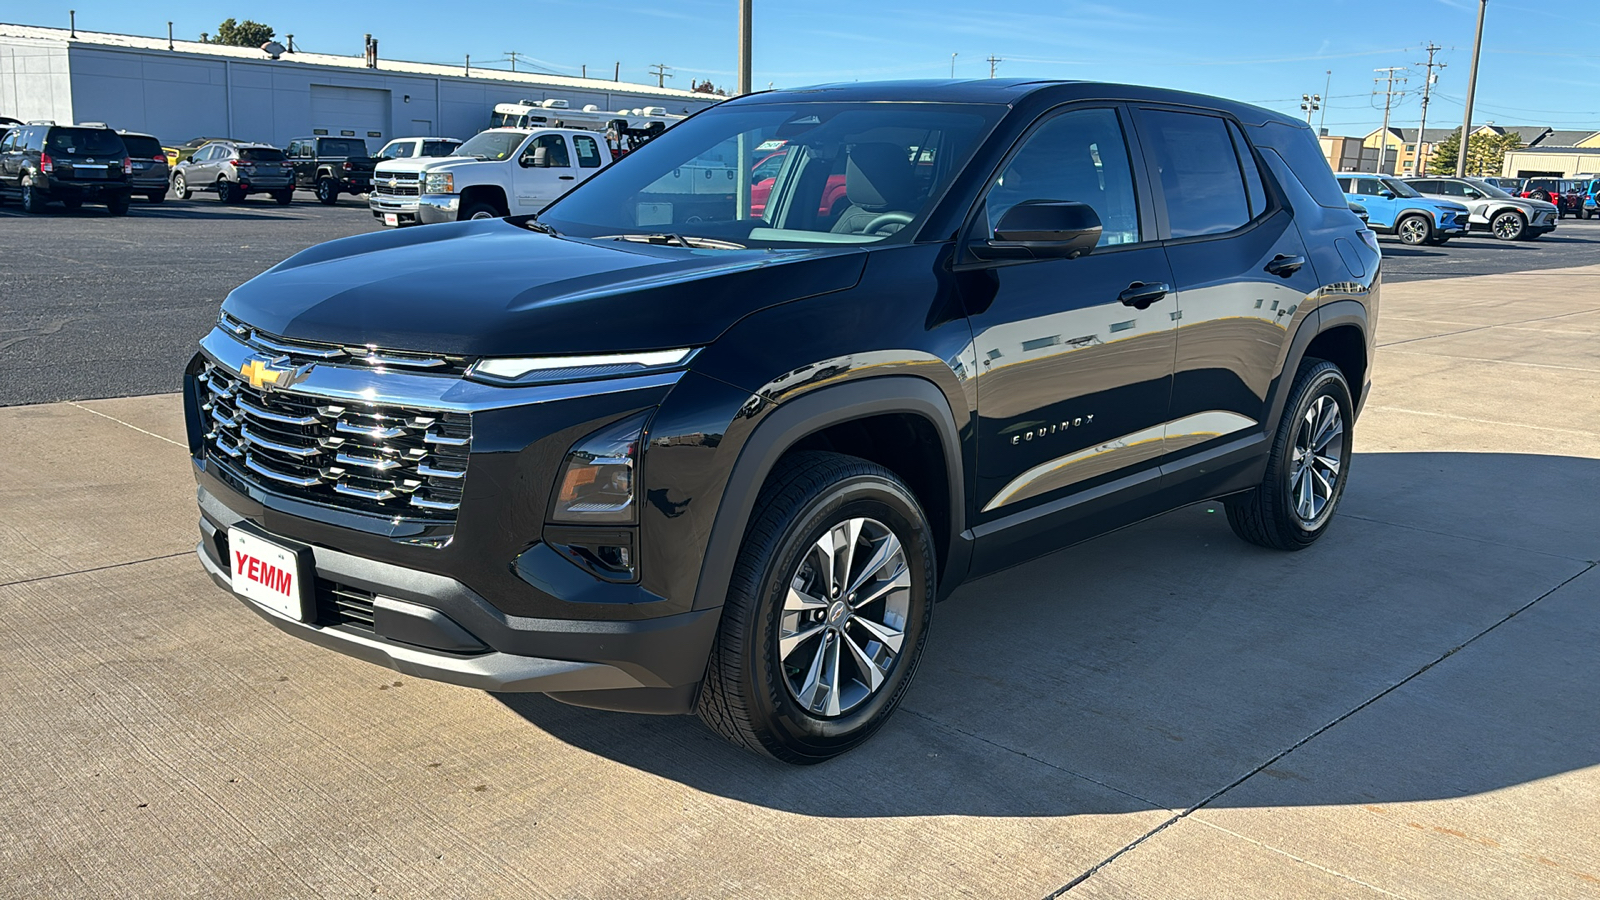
[670, 239]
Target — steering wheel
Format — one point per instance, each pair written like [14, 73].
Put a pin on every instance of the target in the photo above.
[888, 218]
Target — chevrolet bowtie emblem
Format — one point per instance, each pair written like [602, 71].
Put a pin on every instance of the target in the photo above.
[267, 373]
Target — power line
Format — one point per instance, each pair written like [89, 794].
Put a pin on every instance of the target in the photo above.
[1388, 100]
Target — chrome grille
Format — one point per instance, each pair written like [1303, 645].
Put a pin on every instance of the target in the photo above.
[397, 184]
[375, 458]
[367, 356]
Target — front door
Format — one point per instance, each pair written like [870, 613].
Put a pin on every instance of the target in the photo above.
[1074, 355]
[1242, 273]
[543, 172]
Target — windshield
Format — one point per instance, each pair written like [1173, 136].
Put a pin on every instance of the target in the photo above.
[1400, 188]
[495, 145]
[1489, 190]
[847, 173]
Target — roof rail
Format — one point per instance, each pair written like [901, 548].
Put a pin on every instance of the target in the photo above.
[92, 125]
[41, 121]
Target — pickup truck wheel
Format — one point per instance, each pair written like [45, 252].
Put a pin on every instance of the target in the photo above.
[180, 186]
[1309, 465]
[827, 611]
[1509, 225]
[480, 211]
[1414, 230]
[32, 200]
[327, 191]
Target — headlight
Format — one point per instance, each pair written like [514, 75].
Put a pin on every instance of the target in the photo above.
[439, 183]
[598, 481]
[543, 369]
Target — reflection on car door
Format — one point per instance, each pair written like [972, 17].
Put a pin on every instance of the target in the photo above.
[1074, 355]
[1242, 274]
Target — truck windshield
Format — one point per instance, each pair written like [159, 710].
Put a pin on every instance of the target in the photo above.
[495, 145]
[778, 175]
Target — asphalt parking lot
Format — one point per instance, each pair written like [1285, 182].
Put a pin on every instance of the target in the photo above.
[92, 306]
[1407, 709]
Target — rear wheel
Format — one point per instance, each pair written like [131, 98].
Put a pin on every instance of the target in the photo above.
[826, 614]
[32, 200]
[117, 204]
[225, 191]
[1510, 225]
[327, 191]
[1309, 465]
[284, 197]
[1414, 230]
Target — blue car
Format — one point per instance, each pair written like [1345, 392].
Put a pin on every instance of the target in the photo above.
[1591, 196]
[1396, 208]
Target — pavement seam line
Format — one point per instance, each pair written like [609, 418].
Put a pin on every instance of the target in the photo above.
[120, 422]
[1502, 362]
[1312, 736]
[1031, 758]
[1462, 537]
[131, 562]
[1430, 337]
[1439, 415]
[1321, 868]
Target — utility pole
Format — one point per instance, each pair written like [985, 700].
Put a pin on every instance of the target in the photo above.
[1472, 85]
[512, 55]
[1389, 94]
[1427, 88]
[993, 61]
[1310, 103]
[745, 27]
[952, 65]
[1322, 120]
[659, 70]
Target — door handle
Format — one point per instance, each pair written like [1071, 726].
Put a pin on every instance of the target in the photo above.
[1140, 295]
[564, 177]
[1284, 266]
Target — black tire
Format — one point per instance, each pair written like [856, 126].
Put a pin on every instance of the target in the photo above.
[180, 186]
[32, 201]
[747, 696]
[1268, 515]
[327, 191]
[225, 191]
[156, 198]
[1414, 230]
[1509, 225]
[117, 204]
[481, 211]
[284, 197]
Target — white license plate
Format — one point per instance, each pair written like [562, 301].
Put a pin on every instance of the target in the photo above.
[391, 219]
[266, 573]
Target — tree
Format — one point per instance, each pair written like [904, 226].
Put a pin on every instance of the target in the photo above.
[1486, 153]
[240, 34]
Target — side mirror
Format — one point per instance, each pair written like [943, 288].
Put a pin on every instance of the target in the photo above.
[539, 160]
[1387, 195]
[1042, 229]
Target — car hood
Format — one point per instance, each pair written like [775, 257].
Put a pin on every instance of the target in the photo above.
[417, 163]
[1444, 205]
[494, 288]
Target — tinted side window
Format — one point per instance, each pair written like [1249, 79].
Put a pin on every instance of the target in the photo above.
[34, 138]
[1199, 172]
[1448, 188]
[1254, 188]
[588, 152]
[1300, 149]
[1079, 156]
[401, 150]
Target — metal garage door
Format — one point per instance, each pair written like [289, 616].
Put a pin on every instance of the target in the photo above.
[351, 112]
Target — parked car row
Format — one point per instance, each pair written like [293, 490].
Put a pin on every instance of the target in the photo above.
[1433, 210]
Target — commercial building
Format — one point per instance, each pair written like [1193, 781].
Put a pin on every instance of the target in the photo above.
[1553, 162]
[182, 89]
[1405, 151]
[1349, 154]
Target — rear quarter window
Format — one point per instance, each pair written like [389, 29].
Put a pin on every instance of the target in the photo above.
[1299, 148]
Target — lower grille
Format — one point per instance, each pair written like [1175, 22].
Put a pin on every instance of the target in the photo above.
[383, 460]
[339, 604]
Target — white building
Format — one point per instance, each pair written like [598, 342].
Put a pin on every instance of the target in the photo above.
[195, 89]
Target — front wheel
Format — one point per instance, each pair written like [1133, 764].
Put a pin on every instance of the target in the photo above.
[1509, 226]
[327, 192]
[480, 211]
[1414, 231]
[1309, 465]
[827, 611]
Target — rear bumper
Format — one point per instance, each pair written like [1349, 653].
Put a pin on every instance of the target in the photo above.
[57, 188]
[264, 185]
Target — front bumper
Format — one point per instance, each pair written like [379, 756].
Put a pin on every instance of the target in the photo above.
[428, 209]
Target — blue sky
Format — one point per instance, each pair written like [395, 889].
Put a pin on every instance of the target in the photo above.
[1541, 62]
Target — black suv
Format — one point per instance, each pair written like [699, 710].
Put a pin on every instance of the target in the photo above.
[653, 452]
[331, 166]
[43, 162]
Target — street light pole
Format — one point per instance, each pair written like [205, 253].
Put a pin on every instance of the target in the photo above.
[744, 46]
[1472, 86]
[746, 148]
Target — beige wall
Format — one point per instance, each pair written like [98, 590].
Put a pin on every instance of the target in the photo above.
[1578, 162]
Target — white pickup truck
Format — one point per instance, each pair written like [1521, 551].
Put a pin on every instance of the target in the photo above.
[499, 172]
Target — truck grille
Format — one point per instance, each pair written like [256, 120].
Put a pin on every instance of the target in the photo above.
[398, 184]
[301, 352]
[373, 458]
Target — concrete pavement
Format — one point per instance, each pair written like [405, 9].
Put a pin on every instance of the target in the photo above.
[1408, 709]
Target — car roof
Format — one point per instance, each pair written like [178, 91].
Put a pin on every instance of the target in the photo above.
[1010, 91]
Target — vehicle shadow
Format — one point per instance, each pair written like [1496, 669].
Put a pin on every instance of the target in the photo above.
[145, 211]
[1161, 664]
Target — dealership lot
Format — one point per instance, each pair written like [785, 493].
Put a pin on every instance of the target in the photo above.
[1406, 709]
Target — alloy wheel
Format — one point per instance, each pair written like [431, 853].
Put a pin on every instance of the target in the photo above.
[1317, 460]
[1413, 230]
[842, 627]
[1508, 226]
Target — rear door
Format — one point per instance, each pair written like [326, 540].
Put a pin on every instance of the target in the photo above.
[1242, 275]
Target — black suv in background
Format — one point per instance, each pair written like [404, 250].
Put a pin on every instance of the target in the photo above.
[42, 162]
[331, 166]
[676, 457]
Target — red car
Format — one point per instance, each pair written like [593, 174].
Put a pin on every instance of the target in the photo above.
[765, 173]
